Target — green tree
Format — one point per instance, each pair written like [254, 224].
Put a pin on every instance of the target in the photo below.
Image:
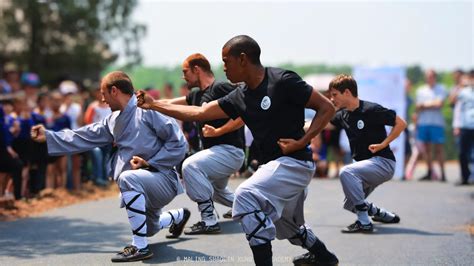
[415, 74]
[68, 38]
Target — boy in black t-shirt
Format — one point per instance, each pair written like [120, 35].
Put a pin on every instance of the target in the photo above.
[271, 103]
[364, 123]
[206, 173]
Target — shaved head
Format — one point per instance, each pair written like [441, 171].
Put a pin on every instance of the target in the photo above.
[243, 44]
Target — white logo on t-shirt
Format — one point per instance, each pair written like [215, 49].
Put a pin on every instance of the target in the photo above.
[360, 124]
[266, 103]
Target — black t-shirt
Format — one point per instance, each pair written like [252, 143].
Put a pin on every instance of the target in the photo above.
[274, 110]
[366, 126]
[201, 97]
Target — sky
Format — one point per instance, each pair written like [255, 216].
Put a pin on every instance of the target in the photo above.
[433, 34]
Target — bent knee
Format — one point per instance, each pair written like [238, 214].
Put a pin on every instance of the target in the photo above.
[126, 179]
[242, 192]
[345, 174]
[190, 167]
[246, 200]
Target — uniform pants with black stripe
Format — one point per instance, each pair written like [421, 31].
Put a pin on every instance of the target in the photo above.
[157, 188]
[271, 202]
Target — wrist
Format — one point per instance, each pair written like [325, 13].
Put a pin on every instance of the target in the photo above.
[302, 143]
[149, 168]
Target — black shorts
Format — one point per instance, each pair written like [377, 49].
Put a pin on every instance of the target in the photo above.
[9, 164]
[24, 148]
[53, 159]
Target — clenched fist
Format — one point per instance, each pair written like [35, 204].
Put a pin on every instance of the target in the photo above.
[138, 162]
[38, 133]
[374, 148]
[144, 100]
[209, 131]
[288, 146]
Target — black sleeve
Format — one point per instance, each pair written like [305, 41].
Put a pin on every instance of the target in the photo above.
[382, 115]
[336, 120]
[190, 96]
[298, 90]
[229, 104]
[222, 89]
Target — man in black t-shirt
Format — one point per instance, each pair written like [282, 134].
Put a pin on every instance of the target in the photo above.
[364, 123]
[271, 103]
[206, 173]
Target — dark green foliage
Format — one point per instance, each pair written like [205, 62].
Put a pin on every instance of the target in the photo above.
[72, 38]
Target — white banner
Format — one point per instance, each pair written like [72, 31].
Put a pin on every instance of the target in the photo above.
[386, 86]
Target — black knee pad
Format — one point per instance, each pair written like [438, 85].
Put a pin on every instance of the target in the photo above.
[362, 207]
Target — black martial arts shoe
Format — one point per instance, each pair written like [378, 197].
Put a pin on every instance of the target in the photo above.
[311, 259]
[200, 228]
[427, 177]
[385, 219]
[132, 253]
[357, 227]
[318, 255]
[228, 214]
[177, 229]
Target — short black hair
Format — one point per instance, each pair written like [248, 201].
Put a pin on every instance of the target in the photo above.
[244, 44]
[120, 80]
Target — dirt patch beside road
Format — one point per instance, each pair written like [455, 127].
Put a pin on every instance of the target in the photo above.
[50, 199]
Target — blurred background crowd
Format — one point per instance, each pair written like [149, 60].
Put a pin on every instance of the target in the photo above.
[52, 54]
[26, 168]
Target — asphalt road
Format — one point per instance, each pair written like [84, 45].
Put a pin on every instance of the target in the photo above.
[436, 229]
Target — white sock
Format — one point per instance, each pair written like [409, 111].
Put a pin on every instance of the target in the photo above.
[210, 221]
[171, 216]
[363, 217]
[135, 205]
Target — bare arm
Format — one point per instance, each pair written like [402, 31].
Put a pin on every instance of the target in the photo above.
[210, 111]
[434, 104]
[179, 101]
[329, 126]
[231, 125]
[398, 128]
[324, 112]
